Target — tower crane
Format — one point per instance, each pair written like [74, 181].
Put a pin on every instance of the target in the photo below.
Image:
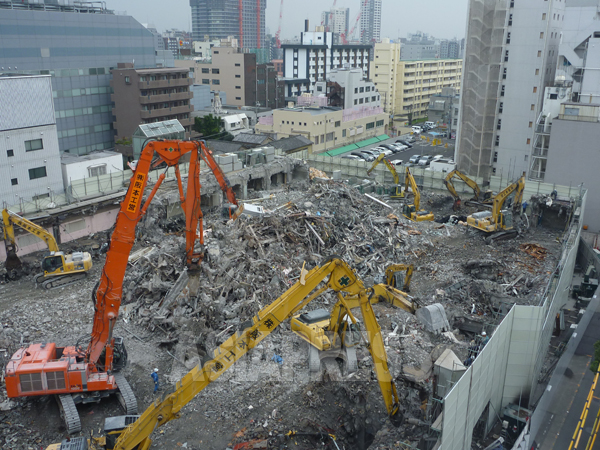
[351, 32]
[278, 34]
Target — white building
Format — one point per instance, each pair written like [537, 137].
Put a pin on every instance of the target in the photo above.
[370, 22]
[29, 154]
[203, 49]
[506, 68]
[336, 20]
[358, 91]
[310, 60]
[75, 167]
[236, 124]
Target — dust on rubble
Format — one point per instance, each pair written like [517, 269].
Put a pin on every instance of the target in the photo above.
[172, 319]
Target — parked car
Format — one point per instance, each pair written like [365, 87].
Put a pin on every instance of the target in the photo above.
[363, 156]
[404, 142]
[387, 152]
[430, 125]
[389, 147]
[371, 156]
[425, 160]
[416, 129]
[414, 159]
[351, 157]
[396, 162]
[436, 157]
[400, 147]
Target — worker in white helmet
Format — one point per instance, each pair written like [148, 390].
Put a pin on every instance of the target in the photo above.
[154, 376]
[484, 338]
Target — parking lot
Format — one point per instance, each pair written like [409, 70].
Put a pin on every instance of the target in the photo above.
[420, 147]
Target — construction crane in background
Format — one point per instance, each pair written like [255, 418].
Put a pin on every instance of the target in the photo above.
[351, 33]
[278, 34]
[330, 16]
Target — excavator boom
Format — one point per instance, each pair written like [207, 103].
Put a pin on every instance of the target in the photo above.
[341, 278]
[468, 181]
[390, 275]
[10, 218]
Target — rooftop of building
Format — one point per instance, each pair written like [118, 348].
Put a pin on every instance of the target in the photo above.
[292, 143]
[313, 110]
[71, 6]
[67, 158]
[249, 138]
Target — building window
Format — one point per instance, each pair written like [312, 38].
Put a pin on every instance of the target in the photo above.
[542, 35]
[373, 99]
[534, 89]
[356, 90]
[38, 172]
[238, 76]
[362, 89]
[215, 71]
[338, 123]
[330, 136]
[499, 125]
[530, 124]
[316, 139]
[508, 37]
[512, 3]
[370, 125]
[355, 101]
[238, 87]
[379, 123]
[10, 153]
[497, 141]
[216, 52]
[528, 141]
[502, 91]
[495, 156]
[14, 181]
[532, 107]
[526, 158]
[216, 81]
[205, 81]
[544, 16]
[239, 98]
[501, 107]
[205, 70]
[97, 170]
[35, 144]
[236, 64]
[343, 133]
[537, 71]
[510, 19]
[505, 55]
[539, 53]
[504, 74]
[360, 101]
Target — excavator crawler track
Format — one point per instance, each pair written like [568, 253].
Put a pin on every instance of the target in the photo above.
[125, 395]
[65, 280]
[68, 413]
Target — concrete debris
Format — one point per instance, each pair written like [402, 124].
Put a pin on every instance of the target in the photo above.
[173, 319]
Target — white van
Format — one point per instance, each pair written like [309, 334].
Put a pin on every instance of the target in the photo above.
[416, 129]
[430, 124]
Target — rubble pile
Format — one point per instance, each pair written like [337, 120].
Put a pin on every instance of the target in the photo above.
[173, 318]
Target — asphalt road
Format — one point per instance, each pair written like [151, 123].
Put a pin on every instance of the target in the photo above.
[562, 428]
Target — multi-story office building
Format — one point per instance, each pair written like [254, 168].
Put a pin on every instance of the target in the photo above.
[29, 155]
[270, 90]
[407, 86]
[370, 22]
[309, 61]
[336, 20]
[150, 95]
[77, 45]
[419, 46]
[219, 19]
[327, 127]
[510, 56]
[351, 88]
[233, 71]
[383, 72]
[449, 49]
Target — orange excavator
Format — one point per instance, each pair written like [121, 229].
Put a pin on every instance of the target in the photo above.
[76, 374]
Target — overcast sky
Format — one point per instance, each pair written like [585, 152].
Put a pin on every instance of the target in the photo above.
[441, 18]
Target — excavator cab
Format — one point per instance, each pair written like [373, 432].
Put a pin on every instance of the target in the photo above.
[396, 191]
[53, 262]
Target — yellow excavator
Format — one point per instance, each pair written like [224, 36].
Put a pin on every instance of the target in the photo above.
[399, 275]
[498, 223]
[485, 199]
[134, 432]
[413, 212]
[396, 190]
[336, 334]
[58, 269]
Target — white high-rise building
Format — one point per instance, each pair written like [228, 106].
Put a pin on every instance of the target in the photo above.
[510, 57]
[370, 22]
[336, 21]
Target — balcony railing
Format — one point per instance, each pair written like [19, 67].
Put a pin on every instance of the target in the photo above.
[146, 99]
[161, 112]
[165, 83]
[578, 118]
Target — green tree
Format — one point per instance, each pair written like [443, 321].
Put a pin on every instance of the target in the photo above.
[207, 125]
[596, 360]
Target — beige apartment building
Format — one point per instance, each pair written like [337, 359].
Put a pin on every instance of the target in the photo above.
[326, 127]
[406, 86]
